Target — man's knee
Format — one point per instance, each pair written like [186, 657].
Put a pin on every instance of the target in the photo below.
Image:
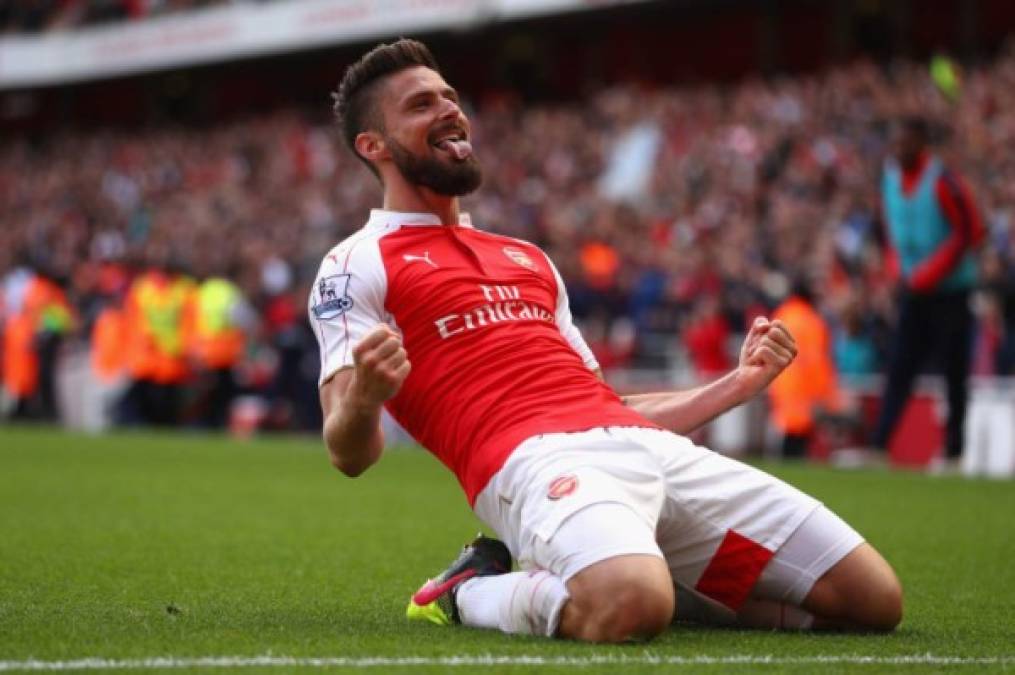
[881, 609]
[886, 614]
[861, 590]
[621, 613]
[619, 599]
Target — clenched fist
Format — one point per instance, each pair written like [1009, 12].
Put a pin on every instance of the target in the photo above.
[381, 366]
[766, 352]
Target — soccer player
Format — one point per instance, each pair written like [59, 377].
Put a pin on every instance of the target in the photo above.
[618, 523]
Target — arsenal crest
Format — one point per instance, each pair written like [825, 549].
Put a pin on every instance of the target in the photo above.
[332, 297]
[520, 257]
[561, 487]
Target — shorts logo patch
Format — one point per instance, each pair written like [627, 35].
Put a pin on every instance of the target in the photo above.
[562, 486]
[332, 297]
[519, 257]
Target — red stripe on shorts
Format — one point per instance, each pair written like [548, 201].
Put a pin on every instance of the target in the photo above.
[733, 570]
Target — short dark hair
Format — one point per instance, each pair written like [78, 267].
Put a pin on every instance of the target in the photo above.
[355, 101]
[916, 125]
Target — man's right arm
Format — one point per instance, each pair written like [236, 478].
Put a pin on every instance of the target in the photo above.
[352, 399]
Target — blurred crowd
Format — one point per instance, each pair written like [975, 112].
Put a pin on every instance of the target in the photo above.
[675, 215]
[36, 16]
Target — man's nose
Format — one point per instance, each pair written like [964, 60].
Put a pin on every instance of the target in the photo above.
[450, 110]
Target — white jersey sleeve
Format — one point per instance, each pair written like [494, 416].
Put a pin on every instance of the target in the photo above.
[565, 323]
[347, 301]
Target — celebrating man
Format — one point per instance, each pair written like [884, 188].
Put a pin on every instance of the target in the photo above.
[466, 337]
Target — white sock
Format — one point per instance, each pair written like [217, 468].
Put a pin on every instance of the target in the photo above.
[518, 602]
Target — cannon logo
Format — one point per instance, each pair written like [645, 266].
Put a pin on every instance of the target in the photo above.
[562, 486]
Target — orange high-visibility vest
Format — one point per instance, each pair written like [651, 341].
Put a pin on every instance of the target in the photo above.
[44, 308]
[47, 307]
[159, 320]
[20, 363]
[810, 380]
[109, 343]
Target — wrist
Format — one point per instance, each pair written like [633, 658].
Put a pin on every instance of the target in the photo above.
[742, 386]
[359, 402]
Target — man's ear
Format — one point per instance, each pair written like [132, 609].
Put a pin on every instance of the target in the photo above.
[371, 146]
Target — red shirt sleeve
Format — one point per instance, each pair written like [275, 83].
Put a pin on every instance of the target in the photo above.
[967, 231]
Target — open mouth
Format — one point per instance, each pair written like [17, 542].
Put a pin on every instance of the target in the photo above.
[454, 143]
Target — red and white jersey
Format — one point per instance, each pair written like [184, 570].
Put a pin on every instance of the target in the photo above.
[496, 358]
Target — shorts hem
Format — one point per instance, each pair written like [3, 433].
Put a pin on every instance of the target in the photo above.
[775, 541]
[590, 558]
[797, 593]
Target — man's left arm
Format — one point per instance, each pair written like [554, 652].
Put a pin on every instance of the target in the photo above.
[766, 352]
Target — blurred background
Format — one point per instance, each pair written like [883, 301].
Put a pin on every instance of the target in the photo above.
[171, 177]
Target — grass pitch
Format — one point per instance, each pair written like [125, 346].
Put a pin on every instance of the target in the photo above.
[133, 546]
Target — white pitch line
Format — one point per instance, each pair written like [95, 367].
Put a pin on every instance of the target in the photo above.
[170, 662]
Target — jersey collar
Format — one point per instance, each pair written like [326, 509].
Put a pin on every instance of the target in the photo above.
[379, 218]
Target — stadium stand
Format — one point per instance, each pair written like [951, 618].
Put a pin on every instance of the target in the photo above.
[50, 15]
[661, 203]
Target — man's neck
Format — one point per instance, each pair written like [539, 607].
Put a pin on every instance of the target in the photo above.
[917, 164]
[417, 199]
[912, 172]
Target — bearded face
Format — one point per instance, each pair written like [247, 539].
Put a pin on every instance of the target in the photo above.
[426, 133]
[447, 167]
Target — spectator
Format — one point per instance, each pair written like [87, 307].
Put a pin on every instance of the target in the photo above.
[706, 338]
[31, 16]
[855, 346]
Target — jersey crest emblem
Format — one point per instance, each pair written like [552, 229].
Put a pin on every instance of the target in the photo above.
[332, 297]
[519, 257]
[562, 486]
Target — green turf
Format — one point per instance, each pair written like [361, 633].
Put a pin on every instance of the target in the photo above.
[140, 545]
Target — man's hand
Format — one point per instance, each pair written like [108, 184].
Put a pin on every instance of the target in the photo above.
[766, 352]
[768, 349]
[381, 366]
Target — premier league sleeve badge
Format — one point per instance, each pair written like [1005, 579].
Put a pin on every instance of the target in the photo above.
[332, 297]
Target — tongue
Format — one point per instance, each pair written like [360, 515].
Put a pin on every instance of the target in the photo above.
[458, 149]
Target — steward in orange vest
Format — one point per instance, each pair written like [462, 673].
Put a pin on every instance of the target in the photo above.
[218, 343]
[159, 318]
[109, 341]
[20, 363]
[809, 383]
[32, 337]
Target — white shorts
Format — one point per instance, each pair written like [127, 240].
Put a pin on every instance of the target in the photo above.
[563, 502]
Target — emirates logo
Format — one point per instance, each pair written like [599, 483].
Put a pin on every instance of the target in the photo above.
[561, 487]
[519, 257]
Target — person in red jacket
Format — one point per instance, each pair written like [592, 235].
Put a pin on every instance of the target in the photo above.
[706, 339]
